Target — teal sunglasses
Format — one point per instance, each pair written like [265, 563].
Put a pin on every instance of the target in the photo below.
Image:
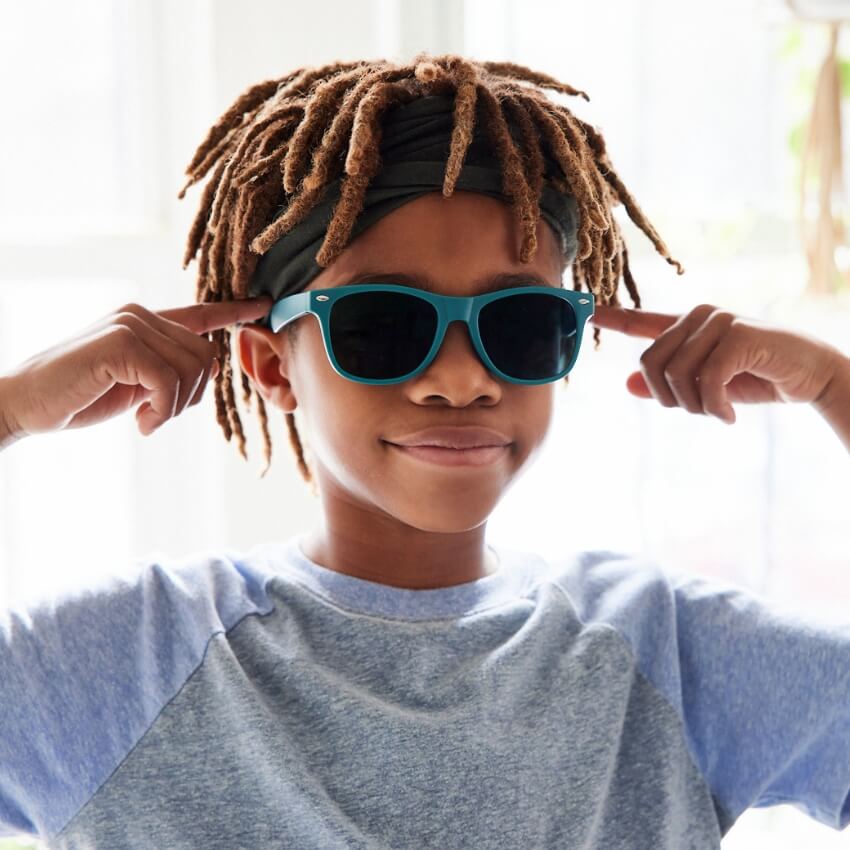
[385, 334]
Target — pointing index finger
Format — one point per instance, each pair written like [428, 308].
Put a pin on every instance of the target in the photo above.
[212, 315]
[632, 322]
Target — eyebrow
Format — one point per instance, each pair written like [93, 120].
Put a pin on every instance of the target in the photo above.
[505, 280]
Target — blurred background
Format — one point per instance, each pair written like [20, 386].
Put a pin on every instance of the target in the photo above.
[705, 109]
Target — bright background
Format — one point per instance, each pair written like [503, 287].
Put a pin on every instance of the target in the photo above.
[701, 107]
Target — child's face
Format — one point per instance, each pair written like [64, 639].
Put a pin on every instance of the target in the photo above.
[455, 242]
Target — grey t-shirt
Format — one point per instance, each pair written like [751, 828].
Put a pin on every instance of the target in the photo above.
[259, 700]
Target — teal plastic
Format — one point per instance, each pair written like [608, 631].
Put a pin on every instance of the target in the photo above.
[450, 308]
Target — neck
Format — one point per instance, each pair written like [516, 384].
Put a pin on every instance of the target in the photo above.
[413, 559]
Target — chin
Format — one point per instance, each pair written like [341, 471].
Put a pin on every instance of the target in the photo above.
[446, 515]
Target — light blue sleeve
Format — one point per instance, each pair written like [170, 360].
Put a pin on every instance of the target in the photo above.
[763, 692]
[766, 698]
[84, 675]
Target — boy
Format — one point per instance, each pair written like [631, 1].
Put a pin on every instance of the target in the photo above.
[388, 680]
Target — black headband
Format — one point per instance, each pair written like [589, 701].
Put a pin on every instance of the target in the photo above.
[414, 148]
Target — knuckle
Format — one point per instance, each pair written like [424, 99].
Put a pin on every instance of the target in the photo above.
[129, 308]
[739, 326]
[173, 377]
[126, 319]
[722, 317]
[707, 374]
[124, 333]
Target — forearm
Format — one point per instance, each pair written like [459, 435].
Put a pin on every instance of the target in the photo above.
[835, 405]
[8, 433]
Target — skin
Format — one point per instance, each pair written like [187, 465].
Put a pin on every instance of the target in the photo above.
[387, 517]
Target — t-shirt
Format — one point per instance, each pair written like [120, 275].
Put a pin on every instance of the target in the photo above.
[256, 699]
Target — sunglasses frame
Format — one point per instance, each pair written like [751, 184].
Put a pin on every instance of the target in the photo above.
[450, 308]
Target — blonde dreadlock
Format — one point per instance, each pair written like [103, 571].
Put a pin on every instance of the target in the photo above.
[283, 141]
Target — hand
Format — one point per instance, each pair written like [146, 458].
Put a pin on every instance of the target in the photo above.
[707, 358]
[130, 355]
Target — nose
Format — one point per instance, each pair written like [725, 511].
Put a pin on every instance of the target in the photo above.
[458, 355]
[456, 374]
[458, 339]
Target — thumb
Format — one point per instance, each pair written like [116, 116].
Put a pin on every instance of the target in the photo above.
[636, 385]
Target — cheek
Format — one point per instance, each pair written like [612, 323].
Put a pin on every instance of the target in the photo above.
[320, 390]
[345, 421]
[538, 409]
[533, 423]
[343, 410]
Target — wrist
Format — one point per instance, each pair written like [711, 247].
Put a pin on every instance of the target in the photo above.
[837, 389]
[834, 402]
[9, 431]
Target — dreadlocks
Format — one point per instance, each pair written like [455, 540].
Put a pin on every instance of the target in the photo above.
[283, 141]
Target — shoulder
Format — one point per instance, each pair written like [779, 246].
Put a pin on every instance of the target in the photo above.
[614, 587]
[641, 600]
[99, 663]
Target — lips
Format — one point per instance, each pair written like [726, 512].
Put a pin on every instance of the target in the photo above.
[450, 437]
[480, 456]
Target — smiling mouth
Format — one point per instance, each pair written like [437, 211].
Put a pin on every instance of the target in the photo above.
[478, 456]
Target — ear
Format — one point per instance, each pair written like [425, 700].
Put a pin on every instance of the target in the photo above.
[266, 358]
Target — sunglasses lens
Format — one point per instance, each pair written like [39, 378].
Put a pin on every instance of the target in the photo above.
[529, 336]
[387, 335]
[381, 335]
